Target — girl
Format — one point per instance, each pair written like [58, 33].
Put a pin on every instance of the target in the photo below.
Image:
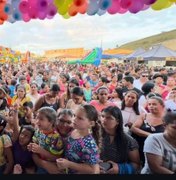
[47, 143]
[81, 153]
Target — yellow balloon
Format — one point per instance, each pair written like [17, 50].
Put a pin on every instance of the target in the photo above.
[172, 0]
[63, 9]
[161, 4]
[66, 16]
[59, 3]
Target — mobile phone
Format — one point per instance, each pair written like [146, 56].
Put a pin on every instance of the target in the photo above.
[105, 165]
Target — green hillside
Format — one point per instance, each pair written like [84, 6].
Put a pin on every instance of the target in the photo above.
[150, 41]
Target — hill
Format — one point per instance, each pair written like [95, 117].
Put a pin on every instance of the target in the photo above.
[167, 39]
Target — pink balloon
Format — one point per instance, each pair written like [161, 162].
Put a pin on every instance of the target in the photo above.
[42, 15]
[125, 4]
[148, 2]
[33, 13]
[136, 6]
[52, 10]
[122, 11]
[115, 7]
[42, 5]
[26, 17]
[24, 7]
[145, 7]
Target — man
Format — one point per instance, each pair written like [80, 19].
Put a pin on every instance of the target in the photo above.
[127, 82]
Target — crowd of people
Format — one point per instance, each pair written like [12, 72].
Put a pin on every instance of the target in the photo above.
[57, 118]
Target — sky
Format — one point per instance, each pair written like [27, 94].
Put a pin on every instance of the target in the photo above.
[85, 31]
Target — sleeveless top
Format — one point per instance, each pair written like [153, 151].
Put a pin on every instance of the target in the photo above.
[148, 128]
[55, 106]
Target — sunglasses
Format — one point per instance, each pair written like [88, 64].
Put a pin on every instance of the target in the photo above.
[144, 75]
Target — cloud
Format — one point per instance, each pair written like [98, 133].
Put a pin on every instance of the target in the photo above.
[85, 31]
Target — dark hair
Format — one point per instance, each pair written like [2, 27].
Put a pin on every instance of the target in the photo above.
[78, 91]
[135, 105]
[3, 123]
[157, 75]
[13, 82]
[28, 104]
[22, 78]
[66, 76]
[29, 128]
[147, 87]
[43, 85]
[169, 117]
[129, 79]
[104, 79]
[66, 112]
[100, 88]
[74, 81]
[55, 87]
[92, 115]
[120, 137]
[119, 92]
[49, 113]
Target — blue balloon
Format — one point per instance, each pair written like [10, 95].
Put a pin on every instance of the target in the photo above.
[101, 12]
[16, 15]
[8, 9]
[92, 8]
[105, 4]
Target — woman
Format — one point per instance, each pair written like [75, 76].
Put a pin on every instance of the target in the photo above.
[34, 95]
[50, 99]
[19, 99]
[118, 148]
[67, 95]
[149, 123]
[117, 97]
[102, 101]
[77, 98]
[170, 103]
[160, 149]
[64, 122]
[130, 110]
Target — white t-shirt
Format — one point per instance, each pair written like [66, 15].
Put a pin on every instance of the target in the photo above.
[170, 104]
[157, 144]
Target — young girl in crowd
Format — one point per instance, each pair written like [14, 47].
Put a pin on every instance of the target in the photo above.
[6, 156]
[81, 152]
[47, 143]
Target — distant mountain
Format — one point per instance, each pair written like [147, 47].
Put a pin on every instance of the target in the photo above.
[167, 39]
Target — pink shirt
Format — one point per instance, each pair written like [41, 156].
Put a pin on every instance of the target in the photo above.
[99, 107]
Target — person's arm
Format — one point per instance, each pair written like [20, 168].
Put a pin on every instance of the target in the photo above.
[134, 159]
[136, 127]
[155, 163]
[81, 168]
[39, 150]
[62, 100]
[50, 167]
[38, 103]
[10, 162]
[16, 128]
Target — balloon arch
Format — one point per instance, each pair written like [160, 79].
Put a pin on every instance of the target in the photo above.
[25, 10]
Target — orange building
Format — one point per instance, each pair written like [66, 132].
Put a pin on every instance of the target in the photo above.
[71, 53]
[117, 51]
[78, 53]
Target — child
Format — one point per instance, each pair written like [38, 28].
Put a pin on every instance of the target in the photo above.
[47, 143]
[6, 157]
[22, 157]
[81, 153]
